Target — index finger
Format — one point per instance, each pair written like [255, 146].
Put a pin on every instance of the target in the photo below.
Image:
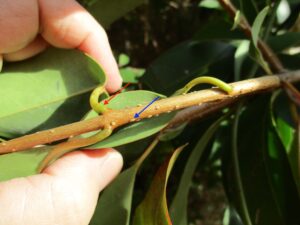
[66, 24]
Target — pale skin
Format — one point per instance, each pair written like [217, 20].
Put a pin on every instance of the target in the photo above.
[67, 191]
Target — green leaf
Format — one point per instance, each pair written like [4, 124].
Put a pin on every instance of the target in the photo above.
[153, 209]
[185, 61]
[131, 75]
[123, 60]
[114, 205]
[239, 58]
[284, 41]
[257, 25]
[21, 164]
[231, 217]
[45, 91]
[137, 130]
[285, 127]
[237, 20]
[218, 28]
[106, 12]
[178, 209]
[270, 193]
[210, 4]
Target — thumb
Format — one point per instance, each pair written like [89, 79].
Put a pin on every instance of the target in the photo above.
[66, 193]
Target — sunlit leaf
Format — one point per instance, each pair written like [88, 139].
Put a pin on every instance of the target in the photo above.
[123, 60]
[210, 4]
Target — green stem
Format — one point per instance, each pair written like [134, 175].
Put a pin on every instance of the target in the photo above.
[201, 80]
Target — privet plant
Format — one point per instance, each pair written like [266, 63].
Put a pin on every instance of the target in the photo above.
[245, 129]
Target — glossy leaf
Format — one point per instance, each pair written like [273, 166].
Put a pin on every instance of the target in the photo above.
[178, 209]
[45, 91]
[153, 209]
[186, 61]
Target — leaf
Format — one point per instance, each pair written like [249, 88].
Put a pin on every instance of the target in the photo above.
[137, 130]
[287, 132]
[178, 209]
[284, 41]
[123, 60]
[45, 91]
[258, 22]
[185, 61]
[131, 75]
[21, 164]
[267, 184]
[210, 4]
[237, 20]
[218, 28]
[118, 195]
[231, 217]
[239, 58]
[153, 209]
[106, 12]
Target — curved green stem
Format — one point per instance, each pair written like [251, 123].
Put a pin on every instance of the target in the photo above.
[65, 147]
[206, 79]
[94, 100]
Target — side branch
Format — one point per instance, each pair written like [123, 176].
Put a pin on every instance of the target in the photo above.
[117, 118]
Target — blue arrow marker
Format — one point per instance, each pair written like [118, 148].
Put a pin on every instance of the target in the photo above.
[137, 115]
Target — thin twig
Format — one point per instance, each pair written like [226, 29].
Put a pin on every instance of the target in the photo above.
[117, 118]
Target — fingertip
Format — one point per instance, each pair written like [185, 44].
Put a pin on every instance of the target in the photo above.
[1, 62]
[114, 82]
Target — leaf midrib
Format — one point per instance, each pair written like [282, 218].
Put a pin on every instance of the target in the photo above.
[51, 102]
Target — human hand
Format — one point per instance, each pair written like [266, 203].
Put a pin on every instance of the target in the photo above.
[65, 193]
[28, 27]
